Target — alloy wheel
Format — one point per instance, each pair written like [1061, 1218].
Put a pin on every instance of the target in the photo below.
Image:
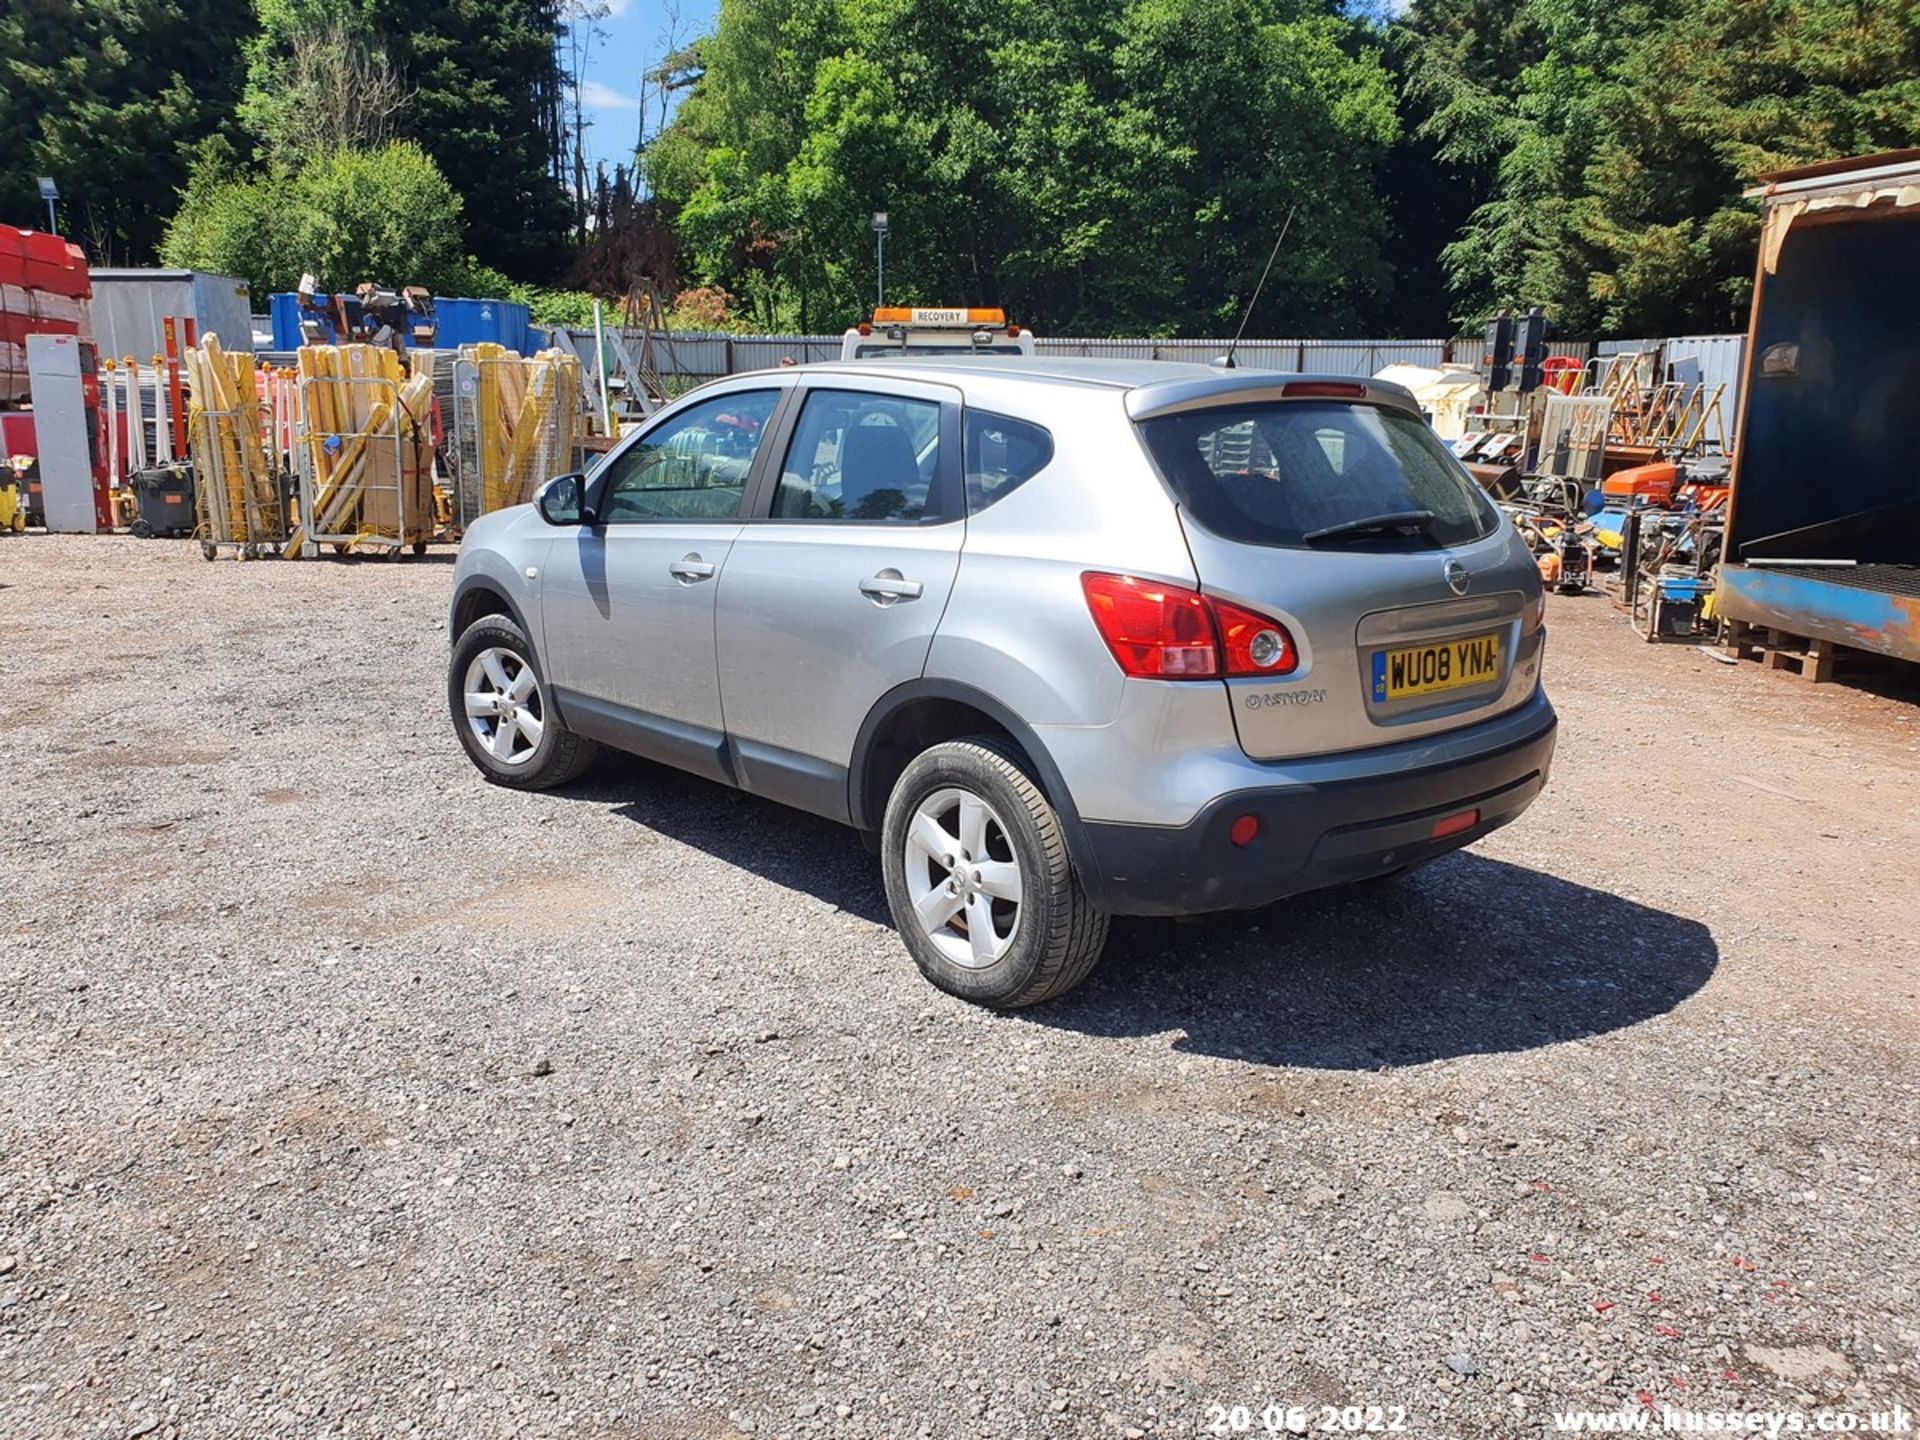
[963, 878]
[505, 709]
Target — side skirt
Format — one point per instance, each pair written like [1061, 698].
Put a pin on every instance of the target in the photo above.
[785, 776]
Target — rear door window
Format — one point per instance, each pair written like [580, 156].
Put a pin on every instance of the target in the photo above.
[861, 457]
[1276, 472]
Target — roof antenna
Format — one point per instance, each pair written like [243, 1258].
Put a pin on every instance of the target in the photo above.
[1225, 362]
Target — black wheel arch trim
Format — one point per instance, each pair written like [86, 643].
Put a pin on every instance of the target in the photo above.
[474, 584]
[869, 810]
[467, 588]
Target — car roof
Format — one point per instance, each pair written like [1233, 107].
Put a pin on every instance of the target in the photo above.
[1152, 387]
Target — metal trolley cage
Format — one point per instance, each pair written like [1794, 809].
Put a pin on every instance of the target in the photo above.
[499, 459]
[1573, 437]
[354, 490]
[462, 452]
[236, 506]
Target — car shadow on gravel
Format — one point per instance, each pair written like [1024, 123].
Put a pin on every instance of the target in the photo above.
[1471, 956]
[787, 846]
[375, 558]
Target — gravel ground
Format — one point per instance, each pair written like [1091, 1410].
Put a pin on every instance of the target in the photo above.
[342, 1094]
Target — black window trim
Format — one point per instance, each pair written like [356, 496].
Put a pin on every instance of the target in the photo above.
[949, 481]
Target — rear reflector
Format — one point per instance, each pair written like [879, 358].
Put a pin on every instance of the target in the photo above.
[1454, 824]
[1322, 390]
[1245, 831]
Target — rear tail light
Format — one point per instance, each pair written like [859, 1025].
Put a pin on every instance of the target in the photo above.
[1168, 632]
[1160, 632]
[1254, 644]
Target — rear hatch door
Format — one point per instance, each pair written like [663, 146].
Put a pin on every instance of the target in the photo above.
[1411, 602]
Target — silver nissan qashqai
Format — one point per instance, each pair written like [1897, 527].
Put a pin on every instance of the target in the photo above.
[1067, 639]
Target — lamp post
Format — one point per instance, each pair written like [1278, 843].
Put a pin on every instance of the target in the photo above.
[49, 192]
[880, 242]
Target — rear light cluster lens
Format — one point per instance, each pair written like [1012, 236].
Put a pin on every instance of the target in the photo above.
[1161, 631]
[1254, 644]
[1168, 632]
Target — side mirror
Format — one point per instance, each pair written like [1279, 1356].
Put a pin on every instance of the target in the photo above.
[563, 500]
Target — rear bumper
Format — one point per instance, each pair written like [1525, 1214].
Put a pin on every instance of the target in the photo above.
[1317, 833]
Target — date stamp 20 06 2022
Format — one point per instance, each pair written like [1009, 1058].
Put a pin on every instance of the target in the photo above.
[1274, 1418]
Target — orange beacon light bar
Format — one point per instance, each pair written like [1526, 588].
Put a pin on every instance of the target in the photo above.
[956, 317]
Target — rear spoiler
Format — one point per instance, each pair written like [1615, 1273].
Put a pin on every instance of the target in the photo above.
[1246, 387]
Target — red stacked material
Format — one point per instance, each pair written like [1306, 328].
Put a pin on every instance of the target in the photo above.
[44, 289]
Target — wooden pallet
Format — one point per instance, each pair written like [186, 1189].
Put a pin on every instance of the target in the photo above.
[1812, 660]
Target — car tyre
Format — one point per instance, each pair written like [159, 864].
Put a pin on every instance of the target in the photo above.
[979, 881]
[503, 713]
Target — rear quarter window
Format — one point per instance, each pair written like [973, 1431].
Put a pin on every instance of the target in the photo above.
[1002, 455]
[1272, 473]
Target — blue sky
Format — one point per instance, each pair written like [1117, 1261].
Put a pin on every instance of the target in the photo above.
[633, 35]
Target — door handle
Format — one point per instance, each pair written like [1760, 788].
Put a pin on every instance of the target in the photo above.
[889, 586]
[691, 567]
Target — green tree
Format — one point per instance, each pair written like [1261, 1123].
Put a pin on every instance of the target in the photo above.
[484, 93]
[1457, 63]
[113, 98]
[474, 83]
[1711, 94]
[1624, 144]
[385, 215]
[1092, 165]
[318, 79]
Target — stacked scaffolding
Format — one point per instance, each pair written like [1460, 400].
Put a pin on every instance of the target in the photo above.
[237, 497]
[1662, 417]
[366, 452]
[520, 421]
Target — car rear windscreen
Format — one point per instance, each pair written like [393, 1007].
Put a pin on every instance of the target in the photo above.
[1275, 472]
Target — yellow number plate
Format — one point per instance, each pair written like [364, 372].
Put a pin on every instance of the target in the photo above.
[1428, 669]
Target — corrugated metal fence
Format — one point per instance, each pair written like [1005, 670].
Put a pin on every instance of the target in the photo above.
[707, 356]
[1335, 357]
[1721, 360]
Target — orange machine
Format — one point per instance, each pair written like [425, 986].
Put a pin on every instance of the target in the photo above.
[1641, 485]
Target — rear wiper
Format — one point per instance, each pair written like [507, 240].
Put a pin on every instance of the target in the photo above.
[1374, 525]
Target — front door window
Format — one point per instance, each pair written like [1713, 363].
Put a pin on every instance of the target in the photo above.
[694, 467]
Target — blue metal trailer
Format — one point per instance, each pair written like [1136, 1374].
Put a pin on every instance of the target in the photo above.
[1823, 526]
